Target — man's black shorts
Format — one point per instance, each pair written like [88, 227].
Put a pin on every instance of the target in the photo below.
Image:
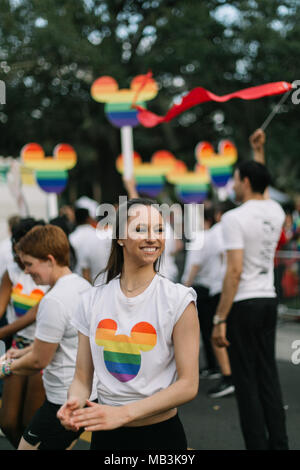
[46, 430]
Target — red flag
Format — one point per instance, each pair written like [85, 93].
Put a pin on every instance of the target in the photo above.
[201, 95]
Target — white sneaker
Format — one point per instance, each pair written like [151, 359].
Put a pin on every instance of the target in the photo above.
[222, 389]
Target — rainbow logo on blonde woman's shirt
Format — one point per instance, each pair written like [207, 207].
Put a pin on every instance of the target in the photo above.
[24, 302]
[121, 352]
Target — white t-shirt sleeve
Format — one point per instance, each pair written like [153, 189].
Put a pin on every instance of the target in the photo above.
[13, 271]
[81, 318]
[82, 260]
[198, 257]
[187, 296]
[232, 232]
[52, 321]
[170, 239]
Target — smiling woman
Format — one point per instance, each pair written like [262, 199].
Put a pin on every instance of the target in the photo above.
[142, 244]
[35, 248]
[19, 296]
[44, 253]
[139, 241]
[139, 332]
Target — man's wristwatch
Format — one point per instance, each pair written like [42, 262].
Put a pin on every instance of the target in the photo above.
[217, 320]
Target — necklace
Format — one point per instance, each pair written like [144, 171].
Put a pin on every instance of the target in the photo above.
[136, 288]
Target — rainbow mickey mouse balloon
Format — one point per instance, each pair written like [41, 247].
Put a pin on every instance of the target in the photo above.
[150, 176]
[119, 101]
[220, 165]
[190, 186]
[50, 172]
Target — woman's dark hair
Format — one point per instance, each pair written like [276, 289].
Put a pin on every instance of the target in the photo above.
[209, 215]
[116, 259]
[62, 222]
[22, 227]
[224, 206]
[18, 231]
[81, 215]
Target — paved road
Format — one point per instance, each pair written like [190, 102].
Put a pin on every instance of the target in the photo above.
[212, 424]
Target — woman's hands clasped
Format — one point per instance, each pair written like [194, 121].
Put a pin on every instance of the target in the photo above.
[93, 417]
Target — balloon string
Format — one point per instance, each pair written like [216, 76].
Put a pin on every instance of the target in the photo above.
[275, 110]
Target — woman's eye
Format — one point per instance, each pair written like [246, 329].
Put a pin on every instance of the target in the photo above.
[159, 230]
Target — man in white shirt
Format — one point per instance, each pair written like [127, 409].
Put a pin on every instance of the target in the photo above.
[92, 247]
[212, 259]
[247, 311]
[198, 274]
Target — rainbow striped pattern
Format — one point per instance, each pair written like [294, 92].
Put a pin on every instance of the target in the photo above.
[119, 101]
[23, 302]
[190, 186]
[121, 352]
[220, 165]
[50, 172]
[150, 177]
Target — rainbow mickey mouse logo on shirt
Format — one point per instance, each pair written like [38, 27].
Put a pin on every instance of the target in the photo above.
[23, 302]
[121, 352]
[50, 172]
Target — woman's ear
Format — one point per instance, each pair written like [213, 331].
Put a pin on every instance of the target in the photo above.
[51, 259]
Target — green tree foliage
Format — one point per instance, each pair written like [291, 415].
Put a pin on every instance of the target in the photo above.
[52, 50]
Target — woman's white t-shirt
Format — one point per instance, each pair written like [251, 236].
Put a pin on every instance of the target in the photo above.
[196, 255]
[212, 259]
[131, 338]
[53, 325]
[168, 266]
[95, 253]
[25, 295]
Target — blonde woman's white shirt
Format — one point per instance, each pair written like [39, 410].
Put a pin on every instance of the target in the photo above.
[53, 325]
[131, 338]
[255, 228]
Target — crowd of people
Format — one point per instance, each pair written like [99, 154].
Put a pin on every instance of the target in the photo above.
[103, 331]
